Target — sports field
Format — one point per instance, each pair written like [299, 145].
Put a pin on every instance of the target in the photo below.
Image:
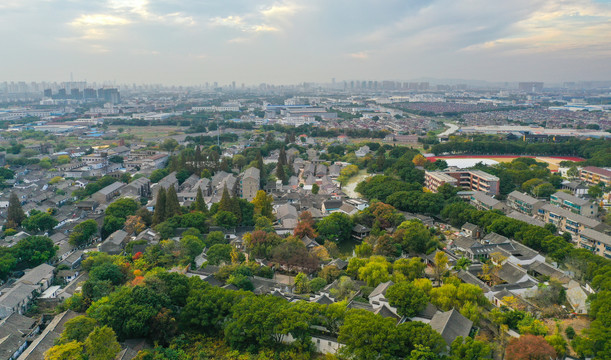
[553, 161]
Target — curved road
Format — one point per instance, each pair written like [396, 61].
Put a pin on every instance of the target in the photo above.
[453, 128]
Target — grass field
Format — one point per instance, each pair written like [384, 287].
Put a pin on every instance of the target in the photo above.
[150, 132]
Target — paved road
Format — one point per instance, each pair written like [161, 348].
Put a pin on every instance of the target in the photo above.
[453, 128]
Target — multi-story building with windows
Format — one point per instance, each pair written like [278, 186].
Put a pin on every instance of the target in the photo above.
[566, 220]
[485, 202]
[476, 180]
[574, 204]
[250, 183]
[524, 203]
[595, 241]
[593, 175]
[434, 179]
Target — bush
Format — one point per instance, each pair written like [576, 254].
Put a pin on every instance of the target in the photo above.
[317, 284]
[10, 232]
[570, 332]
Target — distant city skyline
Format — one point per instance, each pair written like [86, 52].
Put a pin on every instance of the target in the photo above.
[191, 42]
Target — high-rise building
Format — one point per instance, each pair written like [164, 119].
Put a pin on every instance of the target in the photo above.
[110, 95]
[90, 93]
[75, 94]
[530, 87]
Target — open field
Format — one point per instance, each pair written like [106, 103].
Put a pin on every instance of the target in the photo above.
[150, 132]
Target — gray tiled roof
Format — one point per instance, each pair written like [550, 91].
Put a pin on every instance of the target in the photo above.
[381, 289]
[451, 324]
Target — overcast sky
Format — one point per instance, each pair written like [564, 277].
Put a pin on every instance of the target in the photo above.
[282, 42]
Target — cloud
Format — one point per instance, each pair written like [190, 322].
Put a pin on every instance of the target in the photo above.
[115, 16]
[266, 19]
[281, 10]
[309, 40]
[263, 28]
[231, 21]
[567, 27]
[361, 55]
[99, 20]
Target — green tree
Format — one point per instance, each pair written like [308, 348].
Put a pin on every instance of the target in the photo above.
[410, 269]
[111, 224]
[158, 174]
[544, 190]
[7, 261]
[107, 272]
[345, 289]
[530, 325]
[34, 250]
[595, 191]
[450, 296]
[39, 221]
[239, 161]
[416, 237]
[159, 215]
[463, 263]
[317, 284]
[122, 208]
[263, 204]
[367, 336]
[408, 299]
[14, 213]
[219, 253]
[63, 159]
[83, 232]
[200, 204]
[440, 263]
[225, 204]
[77, 329]
[301, 283]
[558, 343]
[215, 237]
[226, 219]
[128, 311]
[102, 344]
[529, 185]
[315, 189]
[169, 144]
[192, 246]
[572, 172]
[172, 206]
[335, 227]
[264, 224]
[363, 250]
[375, 271]
[72, 350]
[469, 349]
[255, 323]
[241, 281]
[280, 173]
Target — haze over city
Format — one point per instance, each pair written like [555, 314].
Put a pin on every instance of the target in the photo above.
[281, 42]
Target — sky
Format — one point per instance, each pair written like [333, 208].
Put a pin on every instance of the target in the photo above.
[190, 42]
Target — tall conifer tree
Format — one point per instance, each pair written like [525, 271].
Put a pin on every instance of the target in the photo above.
[172, 207]
[160, 206]
[15, 214]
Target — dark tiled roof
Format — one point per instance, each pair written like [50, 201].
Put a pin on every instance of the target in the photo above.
[451, 324]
